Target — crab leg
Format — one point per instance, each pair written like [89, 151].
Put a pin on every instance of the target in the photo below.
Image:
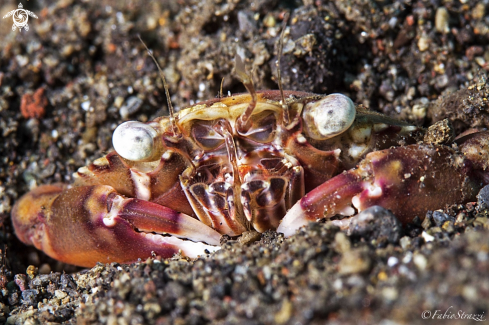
[407, 180]
[89, 224]
[159, 185]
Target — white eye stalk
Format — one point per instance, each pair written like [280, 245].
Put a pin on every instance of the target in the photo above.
[134, 141]
[328, 117]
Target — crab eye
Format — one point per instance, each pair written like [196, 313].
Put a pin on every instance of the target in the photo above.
[328, 117]
[134, 141]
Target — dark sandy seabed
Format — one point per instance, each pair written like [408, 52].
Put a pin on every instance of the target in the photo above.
[80, 71]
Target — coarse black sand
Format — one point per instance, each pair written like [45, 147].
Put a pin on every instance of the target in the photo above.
[80, 71]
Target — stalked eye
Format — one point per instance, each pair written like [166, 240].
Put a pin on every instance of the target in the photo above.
[329, 116]
[134, 141]
[206, 136]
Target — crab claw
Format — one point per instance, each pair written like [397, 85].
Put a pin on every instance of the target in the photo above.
[89, 224]
[407, 180]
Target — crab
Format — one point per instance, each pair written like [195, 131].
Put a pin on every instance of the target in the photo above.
[248, 162]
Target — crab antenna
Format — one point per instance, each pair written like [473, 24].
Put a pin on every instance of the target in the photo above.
[220, 89]
[286, 118]
[167, 92]
[244, 121]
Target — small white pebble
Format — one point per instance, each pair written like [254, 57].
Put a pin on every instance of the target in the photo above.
[427, 237]
[441, 20]
[393, 22]
[480, 61]
[60, 294]
[337, 284]
[390, 293]
[240, 270]
[392, 261]
[22, 60]
[407, 258]
[470, 293]
[423, 43]
[120, 17]
[482, 256]
[420, 261]
[85, 106]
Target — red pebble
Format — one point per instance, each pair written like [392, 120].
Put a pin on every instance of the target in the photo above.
[33, 105]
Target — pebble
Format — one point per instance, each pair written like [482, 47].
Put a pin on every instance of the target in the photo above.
[441, 20]
[246, 22]
[31, 271]
[342, 243]
[354, 261]
[439, 217]
[85, 105]
[479, 11]
[441, 132]
[249, 237]
[423, 43]
[284, 313]
[131, 106]
[405, 242]
[390, 293]
[480, 61]
[20, 281]
[29, 297]
[483, 198]
[376, 223]
[45, 269]
[392, 261]
[427, 237]
[60, 294]
[118, 101]
[481, 221]
[269, 21]
[420, 261]
[470, 293]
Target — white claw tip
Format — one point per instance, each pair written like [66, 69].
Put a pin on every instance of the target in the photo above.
[134, 140]
[293, 220]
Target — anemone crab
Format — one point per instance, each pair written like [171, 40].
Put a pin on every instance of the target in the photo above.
[257, 161]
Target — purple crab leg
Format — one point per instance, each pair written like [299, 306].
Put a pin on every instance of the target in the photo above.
[407, 180]
[89, 224]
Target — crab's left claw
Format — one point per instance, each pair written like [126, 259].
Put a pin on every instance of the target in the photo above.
[89, 224]
[407, 180]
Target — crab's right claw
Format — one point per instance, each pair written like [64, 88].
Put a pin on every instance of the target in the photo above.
[407, 180]
[89, 224]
